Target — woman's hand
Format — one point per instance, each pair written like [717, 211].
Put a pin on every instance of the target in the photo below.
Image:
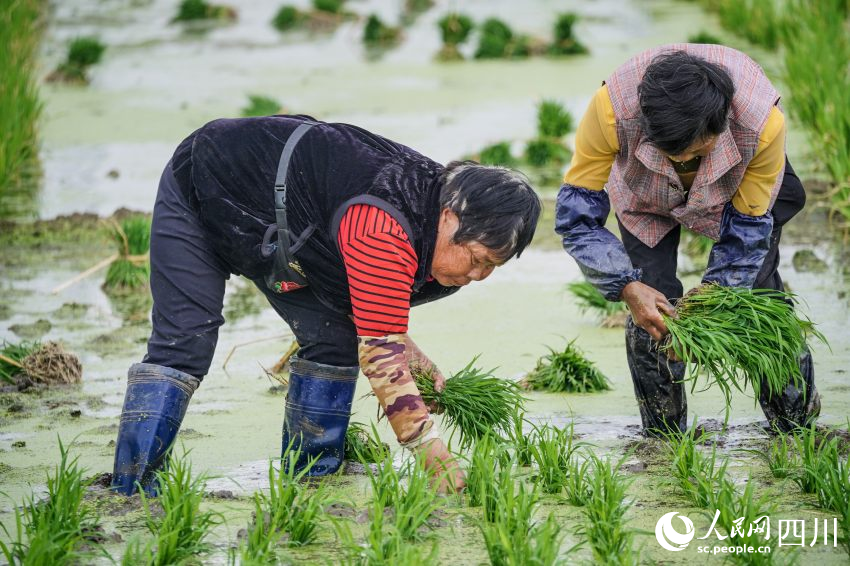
[646, 305]
[447, 473]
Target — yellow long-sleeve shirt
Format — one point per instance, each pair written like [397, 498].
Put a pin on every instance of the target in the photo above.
[596, 147]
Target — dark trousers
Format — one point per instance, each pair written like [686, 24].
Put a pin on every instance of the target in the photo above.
[661, 399]
[187, 283]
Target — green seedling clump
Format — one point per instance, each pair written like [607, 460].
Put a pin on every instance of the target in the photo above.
[488, 463]
[19, 104]
[364, 445]
[259, 105]
[287, 18]
[589, 298]
[329, 6]
[475, 402]
[498, 41]
[182, 527]
[418, 6]
[577, 489]
[497, 154]
[552, 451]
[57, 529]
[33, 362]
[567, 371]
[521, 441]
[605, 529]
[82, 54]
[738, 336]
[194, 10]
[565, 42]
[697, 246]
[455, 29]
[739, 512]
[833, 487]
[541, 152]
[132, 268]
[705, 37]
[553, 120]
[781, 459]
[16, 353]
[384, 545]
[378, 34]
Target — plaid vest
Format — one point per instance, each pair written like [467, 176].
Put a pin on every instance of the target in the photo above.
[645, 191]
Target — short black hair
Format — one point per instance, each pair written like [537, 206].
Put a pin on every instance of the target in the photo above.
[683, 99]
[496, 206]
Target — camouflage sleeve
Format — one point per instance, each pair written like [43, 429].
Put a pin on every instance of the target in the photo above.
[383, 361]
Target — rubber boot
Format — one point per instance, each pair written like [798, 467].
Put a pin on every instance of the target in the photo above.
[796, 406]
[318, 408]
[658, 385]
[154, 406]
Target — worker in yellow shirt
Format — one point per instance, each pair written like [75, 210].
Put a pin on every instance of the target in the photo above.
[687, 135]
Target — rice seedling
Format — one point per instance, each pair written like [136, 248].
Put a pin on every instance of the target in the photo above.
[759, 22]
[552, 451]
[454, 29]
[329, 6]
[182, 527]
[83, 52]
[567, 371]
[259, 105]
[589, 299]
[705, 37]
[781, 459]
[513, 538]
[384, 546]
[811, 447]
[474, 401]
[363, 445]
[605, 531]
[565, 42]
[521, 441]
[378, 34]
[56, 529]
[490, 465]
[20, 107]
[553, 120]
[194, 10]
[697, 246]
[418, 6]
[577, 488]
[744, 519]
[138, 553]
[497, 154]
[132, 268]
[498, 41]
[833, 487]
[543, 151]
[11, 359]
[287, 18]
[739, 337]
[696, 473]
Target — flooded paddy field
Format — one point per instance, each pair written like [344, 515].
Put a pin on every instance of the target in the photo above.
[104, 146]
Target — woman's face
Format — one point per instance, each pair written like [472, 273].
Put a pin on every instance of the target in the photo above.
[700, 148]
[455, 265]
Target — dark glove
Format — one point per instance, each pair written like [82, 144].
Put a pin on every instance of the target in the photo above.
[738, 255]
[580, 216]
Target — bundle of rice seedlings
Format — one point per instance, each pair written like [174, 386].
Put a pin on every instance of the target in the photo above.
[705, 37]
[454, 29]
[553, 119]
[565, 42]
[83, 52]
[287, 18]
[131, 270]
[181, 528]
[552, 452]
[605, 531]
[497, 154]
[513, 537]
[194, 10]
[589, 299]
[59, 529]
[739, 337]
[364, 446]
[541, 152]
[568, 371]
[378, 34]
[33, 362]
[474, 401]
[259, 105]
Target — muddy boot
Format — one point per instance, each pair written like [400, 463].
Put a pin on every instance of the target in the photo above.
[657, 381]
[154, 406]
[795, 407]
[318, 407]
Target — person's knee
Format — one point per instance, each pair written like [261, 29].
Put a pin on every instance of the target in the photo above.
[340, 354]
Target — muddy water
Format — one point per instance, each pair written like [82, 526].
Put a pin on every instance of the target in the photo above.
[159, 82]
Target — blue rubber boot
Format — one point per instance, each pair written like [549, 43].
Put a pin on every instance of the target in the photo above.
[154, 406]
[318, 407]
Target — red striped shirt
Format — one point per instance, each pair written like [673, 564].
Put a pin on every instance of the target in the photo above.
[381, 264]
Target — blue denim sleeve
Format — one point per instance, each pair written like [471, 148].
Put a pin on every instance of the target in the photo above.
[580, 216]
[738, 255]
